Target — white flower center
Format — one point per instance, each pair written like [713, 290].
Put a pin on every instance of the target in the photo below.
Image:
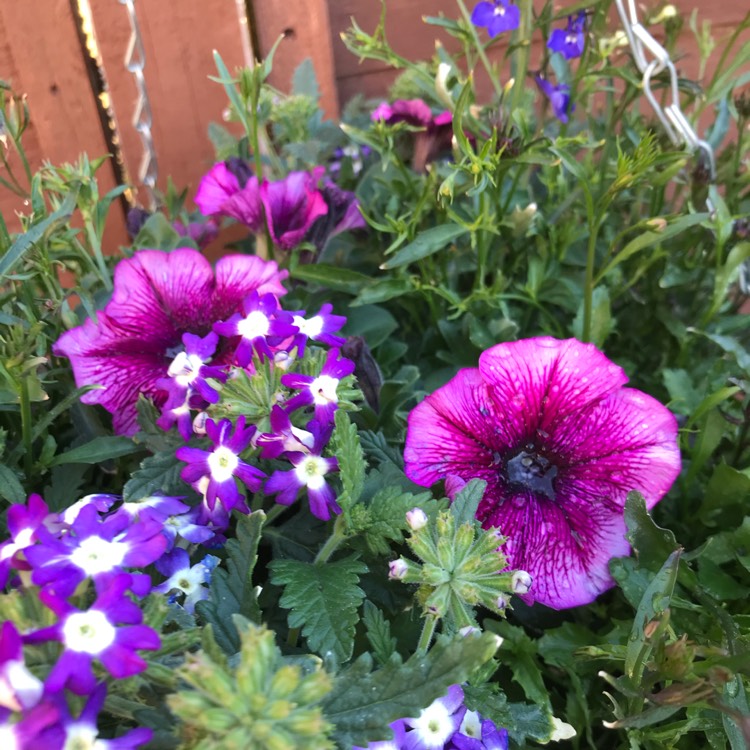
[95, 555]
[311, 472]
[434, 725]
[323, 389]
[471, 726]
[185, 367]
[82, 737]
[499, 10]
[571, 39]
[222, 463]
[88, 632]
[311, 327]
[254, 325]
[188, 579]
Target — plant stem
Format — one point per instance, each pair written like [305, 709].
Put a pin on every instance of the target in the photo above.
[588, 290]
[332, 543]
[26, 428]
[428, 630]
[274, 512]
[480, 50]
[523, 40]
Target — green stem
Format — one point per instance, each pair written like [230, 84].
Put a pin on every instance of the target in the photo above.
[480, 49]
[523, 40]
[483, 248]
[26, 428]
[333, 542]
[96, 247]
[274, 512]
[588, 290]
[428, 630]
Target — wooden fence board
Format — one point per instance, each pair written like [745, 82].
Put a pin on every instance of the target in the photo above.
[41, 55]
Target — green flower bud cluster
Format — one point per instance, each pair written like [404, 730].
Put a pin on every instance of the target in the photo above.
[263, 703]
[462, 567]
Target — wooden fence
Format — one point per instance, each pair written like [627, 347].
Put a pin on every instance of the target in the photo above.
[46, 49]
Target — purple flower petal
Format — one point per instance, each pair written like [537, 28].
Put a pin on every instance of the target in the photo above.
[217, 186]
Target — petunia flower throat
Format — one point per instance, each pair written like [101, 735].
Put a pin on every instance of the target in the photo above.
[559, 441]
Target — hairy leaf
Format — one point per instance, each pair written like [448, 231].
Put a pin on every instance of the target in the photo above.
[157, 473]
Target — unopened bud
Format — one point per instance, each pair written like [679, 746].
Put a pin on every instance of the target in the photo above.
[416, 518]
[397, 569]
[199, 423]
[283, 360]
[469, 630]
[501, 603]
[520, 582]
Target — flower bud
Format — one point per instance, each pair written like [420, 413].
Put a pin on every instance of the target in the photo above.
[199, 423]
[501, 603]
[520, 582]
[397, 569]
[469, 630]
[416, 518]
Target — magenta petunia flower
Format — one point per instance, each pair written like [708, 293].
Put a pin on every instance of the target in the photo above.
[411, 111]
[292, 205]
[229, 189]
[559, 441]
[157, 298]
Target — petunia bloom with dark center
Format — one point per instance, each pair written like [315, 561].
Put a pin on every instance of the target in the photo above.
[559, 441]
[157, 298]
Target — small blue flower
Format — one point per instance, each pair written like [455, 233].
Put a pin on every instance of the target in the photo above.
[496, 16]
[559, 98]
[569, 42]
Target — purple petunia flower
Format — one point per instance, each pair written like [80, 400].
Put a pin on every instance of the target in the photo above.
[222, 464]
[569, 42]
[187, 380]
[411, 111]
[310, 469]
[95, 548]
[292, 205]
[342, 215]
[185, 579]
[262, 324]
[320, 327]
[24, 523]
[157, 298]
[93, 634]
[81, 731]
[320, 391]
[559, 98]
[19, 689]
[559, 441]
[496, 16]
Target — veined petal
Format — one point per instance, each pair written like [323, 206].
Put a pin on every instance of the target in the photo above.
[217, 186]
[237, 276]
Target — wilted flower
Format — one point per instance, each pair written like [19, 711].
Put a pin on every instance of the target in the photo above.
[559, 98]
[496, 16]
[559, 441]
[569, 41]
[157, 298]
[187, 580]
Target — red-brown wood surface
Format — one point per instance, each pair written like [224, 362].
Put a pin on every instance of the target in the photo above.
[40, 55]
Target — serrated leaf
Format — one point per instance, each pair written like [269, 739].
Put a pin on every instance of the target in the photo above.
[363, 703]
[322, 600]
[97, 450]
[425, 244]
[157, 473]
[348, 451]
[376, 445]
[466, 504]
[378, 633]
[387, 517]
[232, 590]
[150, 434]
[651, 543]
[304, 81]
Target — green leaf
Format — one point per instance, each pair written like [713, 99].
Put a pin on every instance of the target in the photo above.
[378, 633]
[97, 450]
[425, 244]
[304, 81]
[727, 492]
[232, 590]
[651, 543]
[158, 233]
[363, 703]
[323, 600]
[383, 290]
[10, 487]
[375, 323]
[466, 504]
[601, 317]
[655, 601]
[157, 473]
[351, 460]
[24, 242]
[228, 81]
[331, 277]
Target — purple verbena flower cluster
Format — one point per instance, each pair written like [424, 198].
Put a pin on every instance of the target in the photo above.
[446, 724]
[80, 564]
